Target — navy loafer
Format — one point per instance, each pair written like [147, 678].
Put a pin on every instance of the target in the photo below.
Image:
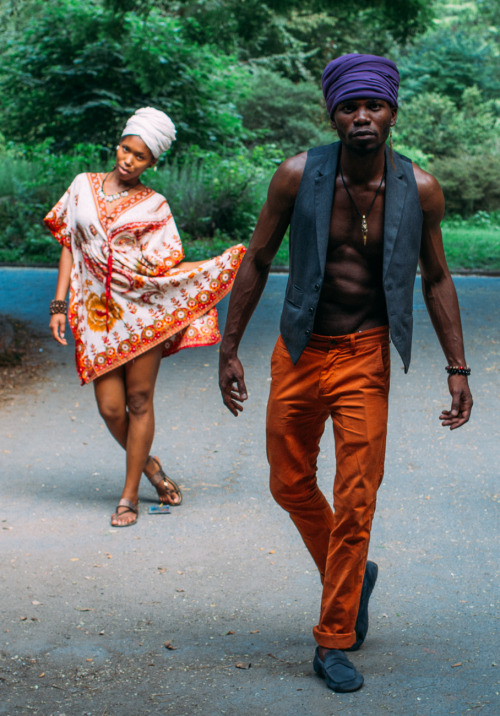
[338, 672]
[361, 626]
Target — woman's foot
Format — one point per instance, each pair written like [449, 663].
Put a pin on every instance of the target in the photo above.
[127, 513]
[168, 490]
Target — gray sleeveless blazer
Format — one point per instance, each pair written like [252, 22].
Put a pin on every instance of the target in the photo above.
[309, 233]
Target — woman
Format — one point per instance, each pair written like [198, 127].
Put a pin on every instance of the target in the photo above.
[132, 298]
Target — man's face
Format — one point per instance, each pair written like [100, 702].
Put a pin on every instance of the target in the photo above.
[363, 125]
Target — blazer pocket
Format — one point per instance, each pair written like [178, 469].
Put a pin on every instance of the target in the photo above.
[295, 296]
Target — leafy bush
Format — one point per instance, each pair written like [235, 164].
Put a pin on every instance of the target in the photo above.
[211, 197]
[449, 61]
[436, 126]
[75, 71]
[32, 179]
[290, 115]
[471, 182]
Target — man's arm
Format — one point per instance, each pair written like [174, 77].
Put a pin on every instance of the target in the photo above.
[252, 276]
[441, 298]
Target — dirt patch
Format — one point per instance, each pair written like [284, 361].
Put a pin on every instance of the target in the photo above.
[23, 362]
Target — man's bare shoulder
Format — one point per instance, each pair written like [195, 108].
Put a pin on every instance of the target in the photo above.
[429, 191]
[286, 180]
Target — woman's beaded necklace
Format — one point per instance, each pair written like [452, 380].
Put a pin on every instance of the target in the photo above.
[110, 197]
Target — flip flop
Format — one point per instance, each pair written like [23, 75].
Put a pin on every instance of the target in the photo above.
[130, 508]
[160, 479]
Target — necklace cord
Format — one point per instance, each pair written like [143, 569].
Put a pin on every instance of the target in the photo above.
[364, 217]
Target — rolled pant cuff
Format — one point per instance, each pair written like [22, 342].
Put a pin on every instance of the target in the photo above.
[334, 641]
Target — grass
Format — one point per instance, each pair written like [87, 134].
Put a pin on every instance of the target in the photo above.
[468, 248]
[472, 248]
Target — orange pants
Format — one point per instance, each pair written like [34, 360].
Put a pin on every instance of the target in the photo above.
[347, 378]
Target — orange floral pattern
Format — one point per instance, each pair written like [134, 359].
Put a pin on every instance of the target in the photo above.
[101, 314]
[127, 294]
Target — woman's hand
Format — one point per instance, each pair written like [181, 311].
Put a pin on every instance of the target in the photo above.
[57, 327]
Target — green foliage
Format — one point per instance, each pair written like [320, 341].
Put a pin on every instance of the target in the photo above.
[434, 124]
[298, 37]
[74, 72]
[289, 115]
[241, 80]
[473, 245]
[212, 195]
[62, 75]
[31, 181]
[448, 62]
[416, 155]
[471, 182]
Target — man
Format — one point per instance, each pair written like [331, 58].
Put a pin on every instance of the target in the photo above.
[361, 218]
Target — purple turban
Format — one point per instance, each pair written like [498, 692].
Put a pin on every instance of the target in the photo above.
[360, 76]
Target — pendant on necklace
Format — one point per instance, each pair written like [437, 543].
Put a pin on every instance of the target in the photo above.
[364, 228]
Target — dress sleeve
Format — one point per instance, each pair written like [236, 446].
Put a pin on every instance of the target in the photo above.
[61, 218]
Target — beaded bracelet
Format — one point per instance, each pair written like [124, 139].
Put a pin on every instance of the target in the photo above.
[457, 369]
[58, 307]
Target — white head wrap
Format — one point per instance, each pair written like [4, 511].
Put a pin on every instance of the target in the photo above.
[155, 128]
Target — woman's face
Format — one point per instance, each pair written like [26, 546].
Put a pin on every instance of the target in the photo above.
[132, 158]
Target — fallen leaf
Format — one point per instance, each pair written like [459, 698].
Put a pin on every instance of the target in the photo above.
[229, 632]
[161, 569]
[179, 590]
[74, 559]
[272, 551]
[89, 660]
[255, 631]
[40, 676]
[169, 645]
[240, 665]
[84, 609]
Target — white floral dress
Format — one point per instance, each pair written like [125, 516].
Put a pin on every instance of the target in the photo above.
[126, 294]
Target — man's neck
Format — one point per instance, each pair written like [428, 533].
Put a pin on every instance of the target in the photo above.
[361, 168]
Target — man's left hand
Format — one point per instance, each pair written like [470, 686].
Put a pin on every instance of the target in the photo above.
[461, 403]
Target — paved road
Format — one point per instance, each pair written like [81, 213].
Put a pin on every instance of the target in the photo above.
[225, 581]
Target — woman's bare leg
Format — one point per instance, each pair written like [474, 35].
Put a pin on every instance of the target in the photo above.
[125, 401]
[111, 400]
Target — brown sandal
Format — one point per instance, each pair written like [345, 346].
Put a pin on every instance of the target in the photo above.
[160, 479]
[130, 508]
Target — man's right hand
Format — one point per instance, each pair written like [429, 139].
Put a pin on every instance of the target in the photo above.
[232, 384]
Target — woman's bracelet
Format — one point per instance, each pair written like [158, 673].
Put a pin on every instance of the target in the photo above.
[58, 307]
[457, 369]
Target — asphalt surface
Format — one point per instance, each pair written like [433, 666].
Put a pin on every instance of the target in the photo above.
[209, 609]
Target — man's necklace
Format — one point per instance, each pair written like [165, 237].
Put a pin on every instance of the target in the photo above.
[364, 217]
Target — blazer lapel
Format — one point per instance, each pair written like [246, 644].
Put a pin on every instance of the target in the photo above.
[324, 187]
[395, 196]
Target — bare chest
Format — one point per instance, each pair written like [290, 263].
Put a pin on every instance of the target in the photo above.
[357, 221]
